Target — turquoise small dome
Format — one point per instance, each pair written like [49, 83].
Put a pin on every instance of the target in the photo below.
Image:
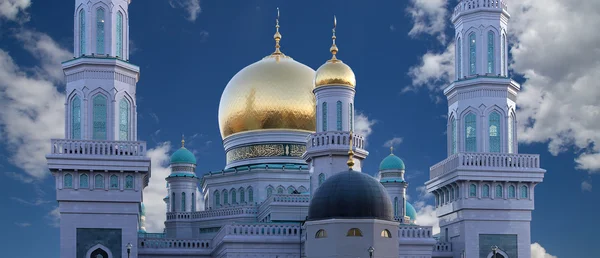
[411, 212]
[183, 155]
[391, 162]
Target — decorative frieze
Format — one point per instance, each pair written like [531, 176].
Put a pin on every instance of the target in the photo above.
[101, 75]
[265, 150]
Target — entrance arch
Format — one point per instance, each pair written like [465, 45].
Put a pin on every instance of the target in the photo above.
[98, 251]
[499, 254]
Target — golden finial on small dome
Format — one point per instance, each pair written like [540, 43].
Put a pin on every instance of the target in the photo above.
[350, 153]
[334, 48]
[334, 71]
[277, 36]
[182, 141]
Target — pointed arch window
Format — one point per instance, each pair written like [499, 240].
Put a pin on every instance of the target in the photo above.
[124, 120]
[473, 190]
[173, 202]
[291, 190]
[511, 123]
[490, 52]
[183, 201]
[338, 107]
[193, 200]
[472, 54]
[99, 117]
[471, 133]
[454, 135]
[396, 206]
[324, 113]
[250, 195]
[99, 181]
[129, 182]
[225, 197]
[351, 118]
[82, 32]
[68, 181]
[114, 182]
[460, 54]
[524, 192]
[217, 199]
[279, 190]
[512, 191]
[242, 195]
[76, 118]
[100, 31]
[494, 132]
[485, 191]
[498, 191]
[233, 196]
[502, 55]
[321, 179]
[119, 34]
[269, 191]
[84, 181]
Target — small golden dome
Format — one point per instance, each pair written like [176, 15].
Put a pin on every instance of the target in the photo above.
[334, 71]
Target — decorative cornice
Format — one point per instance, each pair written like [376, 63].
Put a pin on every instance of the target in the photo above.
[265, 151]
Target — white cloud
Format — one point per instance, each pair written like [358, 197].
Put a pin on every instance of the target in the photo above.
[156, 190]
[37, 202]
[363, 125]
[434, 71]
[20, 177]
[23, 224]
[192, 7]
[426, 216]
[31, 107]
[54, 217]
[429, 17]
[393, 142]
[586, 186]
[537, 251]
[12, 9]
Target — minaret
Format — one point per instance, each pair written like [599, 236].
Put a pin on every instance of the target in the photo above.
[326, 151]
[100, 167]
[183, 184]
[391, 171]
[484, 190]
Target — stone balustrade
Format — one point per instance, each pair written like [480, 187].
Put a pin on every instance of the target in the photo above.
[259, 229]
[334, 138]
[442, 247]
[465, 5]
[151, 235]
[96, 147]
[232, 211]
[165, 243]
[285, 198]
[414, 231]
[485, 160]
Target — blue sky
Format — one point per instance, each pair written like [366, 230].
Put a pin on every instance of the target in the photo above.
[188, 50]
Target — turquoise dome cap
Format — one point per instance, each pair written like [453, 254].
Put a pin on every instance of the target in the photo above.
[391, 162]
[183, 155]
[411, 212]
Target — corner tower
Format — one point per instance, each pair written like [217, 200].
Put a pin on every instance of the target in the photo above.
[100, 167]
[326, 151]
[484, 190]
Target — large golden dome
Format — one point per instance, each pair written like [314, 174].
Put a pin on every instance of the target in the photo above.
[273, 93]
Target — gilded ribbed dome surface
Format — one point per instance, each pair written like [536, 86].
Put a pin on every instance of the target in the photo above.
[273, 93]
[335, 72]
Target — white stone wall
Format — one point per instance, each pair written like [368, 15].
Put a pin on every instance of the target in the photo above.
[331, 95]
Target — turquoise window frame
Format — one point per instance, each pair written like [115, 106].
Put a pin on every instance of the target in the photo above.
[471, 132]
[76, 118]
[490, 52]
[472, 53]
[124, 118]
[82, 32]
[119, 35]
[494, 131]
[100, 117]
[339, 115]
[68, 181]
[100, 22]
[324, 113]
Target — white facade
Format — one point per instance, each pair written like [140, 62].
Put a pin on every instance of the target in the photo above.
[257, 206]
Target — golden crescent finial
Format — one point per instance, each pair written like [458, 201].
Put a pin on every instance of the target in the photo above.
[350, 153]
[333, 48]
[277, 35]
[182, 141]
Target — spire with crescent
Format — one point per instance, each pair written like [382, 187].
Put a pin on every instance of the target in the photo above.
[334, 71]
[277, 37]
[350, 153]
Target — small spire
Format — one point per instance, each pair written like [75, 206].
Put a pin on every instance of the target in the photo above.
[277, 35]
[350, 153]
[182, 141]
[391, 150]
[334, 48]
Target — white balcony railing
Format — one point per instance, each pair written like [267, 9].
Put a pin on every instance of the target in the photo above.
[334, 138]
[233, 211]
[414, 231]
[95, 147]
[286, 198]
[442, 247]
[262, 230]
[485, 161]
[164, 243]
[465, 5]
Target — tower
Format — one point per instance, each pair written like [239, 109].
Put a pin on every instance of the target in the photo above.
[100, 167]
[391, 170]
[484, 190]
[326, 151]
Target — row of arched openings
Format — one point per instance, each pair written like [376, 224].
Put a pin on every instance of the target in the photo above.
[235, 194]
[472, 46]
[100, 117]
[100, 32]
[493, 132]
[499, 191]
[183, 207]
[84, 181]
[338, 108]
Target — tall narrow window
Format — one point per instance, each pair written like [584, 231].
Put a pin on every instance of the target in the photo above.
[498, 191]
[129, 182]
[217, 199]
[457, 192]
[183, 201]
[81, 32]
[233, 196]
[460, 47]
[100, 31]
[76, 118]
[473, 190]
[471, 133]
[490, 52]
[173, 202]
[485, 191]
[120, 34]
[242, 195]
[124, 120]
[250, 195]
[321, 179]
[84, 181]
[193, 200]
[512, 191]
[454, 135]
[339, 115]
[99, 116]
[99, 181]
[503, 54]
[472, 54]
[395, 206]
[114, 182]
[510, 133]
[68, 181]
[324, 113]
[269, 191]
[351, 118]
[494, 132]
[524, 192]
[225, 197]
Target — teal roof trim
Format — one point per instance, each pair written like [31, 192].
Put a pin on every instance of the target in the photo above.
[183, 155]
[392, 180]
[181, 175]
[391, 162]
[411, 212]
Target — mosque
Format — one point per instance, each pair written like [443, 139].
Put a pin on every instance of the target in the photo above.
[293, 184]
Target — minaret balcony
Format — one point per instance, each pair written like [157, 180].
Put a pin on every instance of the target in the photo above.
[466, 6]
[97, 148]
[334, 142]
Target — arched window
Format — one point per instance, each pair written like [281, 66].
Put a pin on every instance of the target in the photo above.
[119, 34]
[291, 190]
[494, 132]
[280, 190]
[76, 118]
[183, 201]
[321, 179]
[99, 181]
[225, 197]
[321, 234]
[233, 196]
[242, 195]
[354, 232]
[84, 181]
[114, 182]
[395, 206]
[512, 191]
[269, 191]
[451, 194]
[502, 55]
[351, 118]
[99, 116]
[485, 191]
[386, 233]
[472, 54]
[302, 189]
[173, 202]
[443, 197]
[459, 48]
[250, 195]
[339, 115]
[473, 190]
[193, 200]
[498, 191]
[100, 31]
[524, 192]
[82, 32]
[511, 122]
[454, 135]
[471, 133]
[124, 120]
[68, 181]
[490, 52]
[217, 199]
[129, 182]
[99, 253]
[324, 113]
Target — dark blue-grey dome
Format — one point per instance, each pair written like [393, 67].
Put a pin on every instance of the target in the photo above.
[351, 195]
